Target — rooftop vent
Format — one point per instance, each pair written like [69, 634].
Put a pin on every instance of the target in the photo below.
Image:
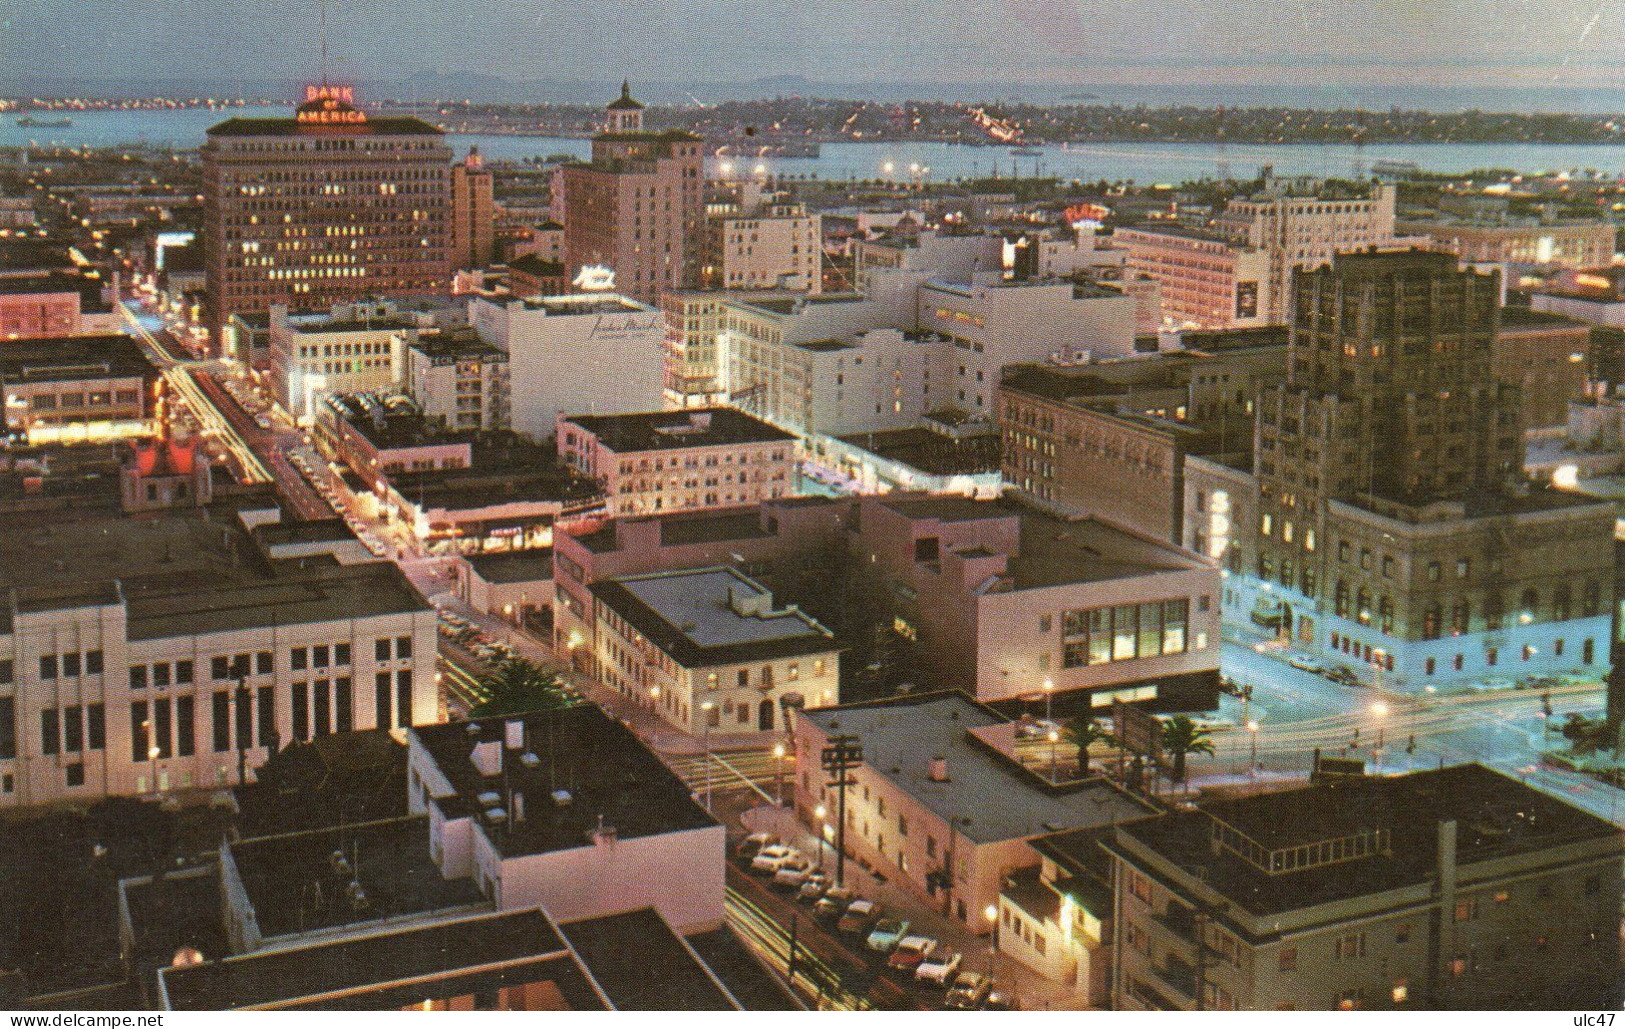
[529, 759]
[490, 798]
[939, 769]
[487, 757]
[563, 798]
[496, 816]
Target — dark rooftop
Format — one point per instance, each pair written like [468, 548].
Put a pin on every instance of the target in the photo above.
[642, 965]
[932, 452]
[1496, 816]
[676, 430]
[68, 358]
[1524, 318]
[285, 875]
[292, 127]
[610, 773]
[1053, 550]
[448, 346]
[514, 565]
[185, 572]
[1222, 341]
[347, 973]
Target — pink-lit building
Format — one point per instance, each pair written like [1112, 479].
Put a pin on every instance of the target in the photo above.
[993, 597]
[38, 306]
[677, 460]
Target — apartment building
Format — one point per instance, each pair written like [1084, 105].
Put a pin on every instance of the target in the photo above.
[1391, 527]
[1305, 225]
[707, 650]
[473, 213]
[1456, 889]
[940, 802]
[459, 380]
[779, 246]
[1548, 358]
[671, 461]
[1205, 280]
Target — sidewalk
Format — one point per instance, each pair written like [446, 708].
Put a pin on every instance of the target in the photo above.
[1033, 990]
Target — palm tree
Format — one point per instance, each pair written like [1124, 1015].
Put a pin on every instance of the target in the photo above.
[1182, 737]
[516, 686]
[1084, 732]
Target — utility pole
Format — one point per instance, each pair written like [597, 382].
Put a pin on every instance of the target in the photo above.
[843, 754]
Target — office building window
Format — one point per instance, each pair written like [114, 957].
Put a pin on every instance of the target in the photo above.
[185, 726]
[138, 730]
[95, 727]
[50, 731]
[73, 729]
[403, 695]
[222, 721]
[381, 700]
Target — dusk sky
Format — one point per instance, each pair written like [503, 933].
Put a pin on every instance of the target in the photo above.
[1479, 42]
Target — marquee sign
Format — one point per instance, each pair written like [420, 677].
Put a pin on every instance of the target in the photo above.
[595, 278]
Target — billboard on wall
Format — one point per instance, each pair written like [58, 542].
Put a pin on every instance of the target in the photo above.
[1246, 300]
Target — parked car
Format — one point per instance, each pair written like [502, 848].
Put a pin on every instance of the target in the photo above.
[752, 845]
[793, 873]
[859, 916]
[833, 903]
[1036, 729]
[939, 967]
[1343, 674]
[1304, 663]
[969, 991]
[1001, 999]
[887, 934]
[813, 888]
[770, 859]
[910, 952]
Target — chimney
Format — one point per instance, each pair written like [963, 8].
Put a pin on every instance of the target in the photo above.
[939, 769]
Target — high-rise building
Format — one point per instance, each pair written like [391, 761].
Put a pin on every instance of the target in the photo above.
[638, 209]
[1392, 524]
[473, 213]
[329, 206]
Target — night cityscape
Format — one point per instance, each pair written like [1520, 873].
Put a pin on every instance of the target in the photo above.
[522, 513]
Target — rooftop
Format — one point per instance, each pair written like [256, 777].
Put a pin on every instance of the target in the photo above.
[932, 452]
[357, 973]
[901, 737]
[451, 345]
[642, 965]
[678, 430]
[712, 616]
[70, 358]
[514, 565]
[1524, 318]
[373, 126]
[1496, 816]
[184, 572]
[293, 887]
[1055, 551]
[611, 778]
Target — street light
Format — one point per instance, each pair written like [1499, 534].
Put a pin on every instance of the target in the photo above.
[778, 774]
[1049, 700]
[992, 913]
[1054, 738]
[707, 707]
[1252, 760]
[1380, 711]
[824, 830]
